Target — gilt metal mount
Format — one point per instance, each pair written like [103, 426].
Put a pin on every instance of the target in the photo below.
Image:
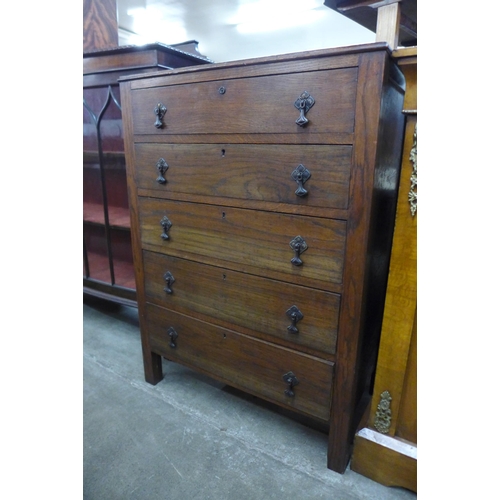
[383, 415]
[412, 195]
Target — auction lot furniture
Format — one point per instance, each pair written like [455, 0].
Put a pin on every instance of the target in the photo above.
[262, 196]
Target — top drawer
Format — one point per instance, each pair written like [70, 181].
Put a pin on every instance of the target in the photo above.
[265, 104]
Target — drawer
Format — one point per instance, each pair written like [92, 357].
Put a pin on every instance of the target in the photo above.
[234, 299]
[254, 105]
[246, 240]
[249, 364]
[302, 175]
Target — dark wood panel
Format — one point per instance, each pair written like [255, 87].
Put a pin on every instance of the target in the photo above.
[243, 362]
[251, 303]
[247, 171]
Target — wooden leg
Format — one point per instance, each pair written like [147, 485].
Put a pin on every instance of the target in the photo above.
[152, 367]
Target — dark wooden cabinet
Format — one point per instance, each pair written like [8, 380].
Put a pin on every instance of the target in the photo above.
[108, 269]
[262, 197]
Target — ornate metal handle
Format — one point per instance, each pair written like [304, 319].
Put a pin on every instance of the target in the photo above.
[160, 111]
[162, 167]
[173, 337]
[292, 381]
[300, 175]
[304, 103]
[169, 279]
[166, 225]
[295, 316]
[298, 245]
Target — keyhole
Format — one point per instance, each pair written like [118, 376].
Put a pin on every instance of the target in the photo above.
[223, 215]
[224, 277]
[223, 152]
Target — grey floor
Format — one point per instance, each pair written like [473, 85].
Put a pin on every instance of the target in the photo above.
[189, 437]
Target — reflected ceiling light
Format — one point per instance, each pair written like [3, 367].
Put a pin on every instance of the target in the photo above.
[263, 15]
[150, 25]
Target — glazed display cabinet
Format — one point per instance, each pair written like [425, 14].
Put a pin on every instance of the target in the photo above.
[108, 270]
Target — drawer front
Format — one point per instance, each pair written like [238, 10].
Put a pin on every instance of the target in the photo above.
[247, 363]
[298, 174]
[234, 299]
[254, 105]
[246, 240]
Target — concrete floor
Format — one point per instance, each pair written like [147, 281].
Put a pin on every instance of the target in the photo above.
[189, 437]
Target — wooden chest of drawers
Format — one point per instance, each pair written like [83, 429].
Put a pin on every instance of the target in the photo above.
[262, 197]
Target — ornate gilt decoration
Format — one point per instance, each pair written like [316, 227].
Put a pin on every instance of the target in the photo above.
[412, 195]
[383, 415]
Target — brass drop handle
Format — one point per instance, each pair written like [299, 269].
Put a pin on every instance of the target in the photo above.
[173, 337]
[169, 279]
[300, 175]
[160, 110]
[298, 245]
[166, 225]
[291, 380]
[162, 167]
[295, 316]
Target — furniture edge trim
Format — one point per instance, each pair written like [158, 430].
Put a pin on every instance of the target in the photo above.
[397, 445]
[318, 53]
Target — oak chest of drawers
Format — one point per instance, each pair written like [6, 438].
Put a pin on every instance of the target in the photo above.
[262, 197]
